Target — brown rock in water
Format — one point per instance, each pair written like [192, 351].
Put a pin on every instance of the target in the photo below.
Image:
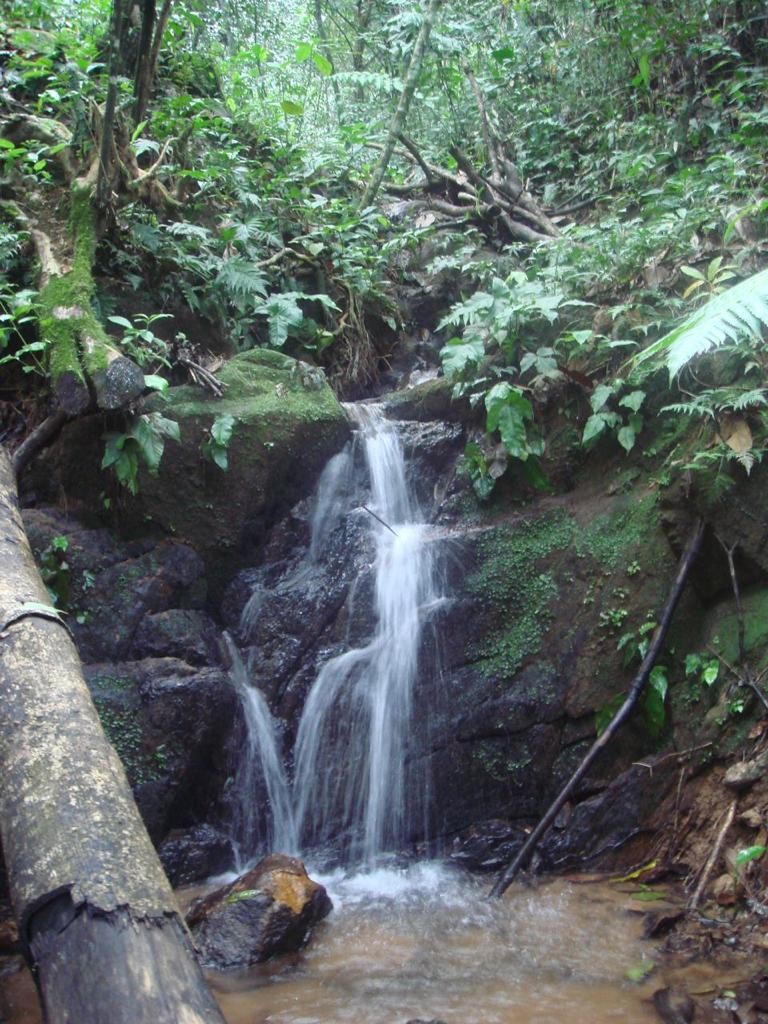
[724, 890]
[745, 773]
[268, 910]
[674, 1005]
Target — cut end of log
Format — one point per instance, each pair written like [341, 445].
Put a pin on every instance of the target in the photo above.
[119, 384]
[72, 394]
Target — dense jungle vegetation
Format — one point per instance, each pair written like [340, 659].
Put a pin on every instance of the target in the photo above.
[181, 181]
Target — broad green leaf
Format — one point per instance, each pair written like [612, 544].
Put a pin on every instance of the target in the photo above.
[121, 322]
[322, 64]
[112, 450]
[600, 396]
[748, 854]
[292, 109]
[626, 438]
[303, 52]
[693, 663]
[150, 441]
[221, 457]
[633, 400]
[694, 273]
[156, 382]
[221, 430]
[653, 702]
[165, 426]
[511, 427]
[658, 680]
[283, 313]
[711, 672]
[457, 356]
[597, 423]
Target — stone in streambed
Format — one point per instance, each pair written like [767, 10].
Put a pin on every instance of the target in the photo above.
[269, 910]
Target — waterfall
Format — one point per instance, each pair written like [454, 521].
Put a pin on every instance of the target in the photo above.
[354, 785]
[351, 759]
[259, 760]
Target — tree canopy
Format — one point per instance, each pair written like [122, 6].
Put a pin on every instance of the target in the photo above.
[183, 176]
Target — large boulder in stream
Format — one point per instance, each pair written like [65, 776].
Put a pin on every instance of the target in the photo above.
[268, 910]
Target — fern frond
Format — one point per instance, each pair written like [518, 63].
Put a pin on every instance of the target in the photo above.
[241, 278]
[690, 409]
[182, 229]
[749, 399]
[739, 312]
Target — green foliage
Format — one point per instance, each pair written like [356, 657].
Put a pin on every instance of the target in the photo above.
[704, 667]
[144, 441]
[739, 315]
[624, 420]
[216, 445]
[747, 855]
[55, 571]
[516, 591]
[141, 343]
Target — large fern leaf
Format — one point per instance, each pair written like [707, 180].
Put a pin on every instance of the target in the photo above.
[735, 314]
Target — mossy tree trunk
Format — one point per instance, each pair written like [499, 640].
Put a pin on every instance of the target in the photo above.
[96, 914]
[84, 366]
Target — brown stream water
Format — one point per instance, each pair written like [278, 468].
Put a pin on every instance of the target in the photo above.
[426, 943]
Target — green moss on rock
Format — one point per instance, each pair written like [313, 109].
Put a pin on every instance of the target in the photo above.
[518, 594]
[611, 538]
[287, 425]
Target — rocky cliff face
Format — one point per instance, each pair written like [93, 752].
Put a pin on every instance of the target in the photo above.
[549, 600]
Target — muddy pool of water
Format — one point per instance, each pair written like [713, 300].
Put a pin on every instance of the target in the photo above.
[425, 943]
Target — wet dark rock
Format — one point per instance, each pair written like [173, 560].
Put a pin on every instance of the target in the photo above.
[185, 633]
[171, 724]
[189, 855]
[488, 845]
[431, 400]
[431, 450]
[169, 575]
[674, 1005]
[607, 821]
[110, 586]
[269, 910]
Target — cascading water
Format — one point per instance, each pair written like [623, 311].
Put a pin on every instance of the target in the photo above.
[260, 759]
[353, 784]
[354, 735]
[404, 941]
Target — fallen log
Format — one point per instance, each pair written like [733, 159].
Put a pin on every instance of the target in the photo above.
[687, 559]
[96, 915]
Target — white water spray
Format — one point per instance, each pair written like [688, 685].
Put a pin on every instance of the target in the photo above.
[260, 762]
[354, 736]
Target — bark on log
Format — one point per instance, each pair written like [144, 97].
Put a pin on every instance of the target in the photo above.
[95, 911]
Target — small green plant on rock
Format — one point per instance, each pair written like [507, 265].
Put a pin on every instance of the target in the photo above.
[141, 343]
[143, 442]
[55, 570]
[216, 445]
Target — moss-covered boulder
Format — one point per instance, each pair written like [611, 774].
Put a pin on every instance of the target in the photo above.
[287, 424]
